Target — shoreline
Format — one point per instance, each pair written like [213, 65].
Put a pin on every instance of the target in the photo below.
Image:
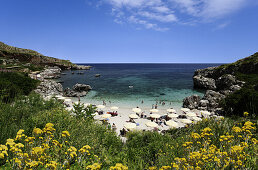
[48, 81]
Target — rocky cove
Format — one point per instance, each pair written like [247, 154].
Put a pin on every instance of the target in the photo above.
[223, 81]
[50, 87]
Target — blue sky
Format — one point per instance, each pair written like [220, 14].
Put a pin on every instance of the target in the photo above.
[154, 31]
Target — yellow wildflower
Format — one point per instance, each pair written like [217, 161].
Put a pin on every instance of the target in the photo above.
[37, 131]
[65, 134]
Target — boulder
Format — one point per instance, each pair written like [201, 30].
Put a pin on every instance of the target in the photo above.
[71, 93]
[204, 103]
[234, 88]
[202, 82]
[225, 81]
[78, 90]
[49, 87]
[191, 102]
[81, 87]
[51, 73]
[214, 98]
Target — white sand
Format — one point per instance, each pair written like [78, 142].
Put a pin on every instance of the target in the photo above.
[125, 110]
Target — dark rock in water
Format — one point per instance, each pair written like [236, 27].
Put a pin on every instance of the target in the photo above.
[81, 87]
[162, 94]
[191, 102]
[77, 90]
[97, 75]
[80, 73]
[202, 82]
[80, 67]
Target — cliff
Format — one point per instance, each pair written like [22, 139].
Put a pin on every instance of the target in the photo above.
[19, 57]
[226, 87]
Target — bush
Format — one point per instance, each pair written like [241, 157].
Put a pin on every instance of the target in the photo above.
[13, 84]
[20, 113]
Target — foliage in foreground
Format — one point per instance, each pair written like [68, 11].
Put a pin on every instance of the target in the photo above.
[14, 84]
[44, 150]
[211, 143]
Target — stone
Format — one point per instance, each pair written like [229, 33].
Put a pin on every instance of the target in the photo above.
[81, 87]
[214, 98]
[49, 87]
[191, 102]
[202, 82]
[78, 90]
[204, 103]
[225, 81]
[234, 88]
[51, 73]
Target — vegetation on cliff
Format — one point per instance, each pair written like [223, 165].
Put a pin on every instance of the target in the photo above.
[25, 58]
[245, 99]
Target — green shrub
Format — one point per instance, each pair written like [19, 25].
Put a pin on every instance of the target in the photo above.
[13, 84]
[243, 100]
[20, 113]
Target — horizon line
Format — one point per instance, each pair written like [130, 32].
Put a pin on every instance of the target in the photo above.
[146, 63]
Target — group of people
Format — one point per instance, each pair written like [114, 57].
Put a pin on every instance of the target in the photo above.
[113, 127]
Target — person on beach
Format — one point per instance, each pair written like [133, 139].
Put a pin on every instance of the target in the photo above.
[79, 98]
[109, 126]
[156, 106]
[152, 106]
[142, 101]
[114, 127]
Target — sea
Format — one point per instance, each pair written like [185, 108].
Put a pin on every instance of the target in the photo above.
[131, 85]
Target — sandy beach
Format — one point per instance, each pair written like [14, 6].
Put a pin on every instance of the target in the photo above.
[124, 110]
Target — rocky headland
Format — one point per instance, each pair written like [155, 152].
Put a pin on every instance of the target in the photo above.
[49, 87]
[43, 68]
[220, 82]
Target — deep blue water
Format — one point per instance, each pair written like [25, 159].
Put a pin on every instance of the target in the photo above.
[151, 82]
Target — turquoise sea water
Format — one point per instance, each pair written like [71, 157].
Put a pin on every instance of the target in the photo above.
[170, 83]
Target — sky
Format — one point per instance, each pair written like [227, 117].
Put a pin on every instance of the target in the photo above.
[133, 31]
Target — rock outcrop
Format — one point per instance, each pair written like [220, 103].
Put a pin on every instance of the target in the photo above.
[192, 102]
[219, 82]
[204, 82]
[49, 88]
[51, 73]
[78, 90]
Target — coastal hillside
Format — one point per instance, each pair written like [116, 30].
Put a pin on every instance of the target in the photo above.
[231, 88]
[19, 57]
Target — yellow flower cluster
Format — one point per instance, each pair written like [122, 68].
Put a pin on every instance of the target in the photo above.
[95, 166]
[42, 150]
[230, 152]
[119, 166]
